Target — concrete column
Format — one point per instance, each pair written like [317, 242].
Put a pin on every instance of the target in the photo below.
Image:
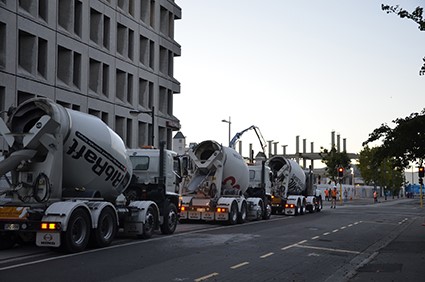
[344, 144]
[240, 147]
[275, 147]
[297, 148]
[332, 139]
[304, 151]
[312, 151]
[338, 145]
[270, 148]
[251, 156]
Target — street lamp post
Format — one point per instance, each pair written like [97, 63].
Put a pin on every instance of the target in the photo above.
[230, 123]
[152, 113]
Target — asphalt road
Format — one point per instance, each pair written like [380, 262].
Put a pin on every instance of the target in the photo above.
[354, 242]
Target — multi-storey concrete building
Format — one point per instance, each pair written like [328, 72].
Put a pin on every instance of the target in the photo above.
[103, 57]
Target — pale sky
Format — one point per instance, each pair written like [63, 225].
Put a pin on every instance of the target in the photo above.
[295, 67]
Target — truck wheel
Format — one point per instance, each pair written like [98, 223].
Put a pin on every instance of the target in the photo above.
[77, 235]
[150, 223]
[242, 214]
[302, 209]
[7, 240]
[233, 215]
[319, 205]
[106, 229]
[170, 220]
[267, 212]
[260, 212]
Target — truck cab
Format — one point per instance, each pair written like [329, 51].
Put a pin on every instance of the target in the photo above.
[146, 167]
[155, 179]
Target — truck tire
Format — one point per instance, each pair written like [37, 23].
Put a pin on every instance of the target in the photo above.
[302, 209]
[77, 235]
[170, 220]
[150, 223]
[242, 215]
[233, 214]
[267, 212]
[261, 211]
[7, 240]
[104, 234]
[298, 208]
[319, 205]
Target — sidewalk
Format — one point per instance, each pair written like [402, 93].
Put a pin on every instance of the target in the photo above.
[365, 201]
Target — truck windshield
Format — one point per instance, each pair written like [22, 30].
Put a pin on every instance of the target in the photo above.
[140, 162]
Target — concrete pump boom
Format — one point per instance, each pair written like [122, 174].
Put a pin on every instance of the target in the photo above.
[259, 136]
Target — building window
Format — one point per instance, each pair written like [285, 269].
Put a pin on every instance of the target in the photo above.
[121, 38]
[2, 45]
[76, 71]
[163, 60]
[130, 88]
[78, 14]
[42, 57]
[144, 50]
[152, 54]
[69, 67]
[27, 51]
[105, 80]
[120, 85]
[106, 31]
[94, 75]
[24, 96]
[152, 14]
[95, 24]
[143, 92]
[145, 10]
[70, 16]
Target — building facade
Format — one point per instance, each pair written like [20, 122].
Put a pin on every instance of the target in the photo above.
[102, 57]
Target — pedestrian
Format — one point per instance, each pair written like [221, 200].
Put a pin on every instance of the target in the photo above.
[326, 194]
[329, 194]
[375, 197]
[334, 193]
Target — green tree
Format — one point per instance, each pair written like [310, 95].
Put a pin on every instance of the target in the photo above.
[384, 173]
[416, 16]
[403, 144]
[333, 159]
[367, 166]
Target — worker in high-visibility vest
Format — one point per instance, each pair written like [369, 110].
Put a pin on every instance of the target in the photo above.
[334, 194]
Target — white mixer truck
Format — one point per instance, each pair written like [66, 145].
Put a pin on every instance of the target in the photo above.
[67, 171]
[293, 191]
[217, 187]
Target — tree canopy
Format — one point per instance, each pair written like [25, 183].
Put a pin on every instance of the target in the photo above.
[333, 160]
[405, 143]
[416, 16]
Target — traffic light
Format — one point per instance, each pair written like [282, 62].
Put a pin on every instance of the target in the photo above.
[421, 181]
[340, 172]
[421, 172]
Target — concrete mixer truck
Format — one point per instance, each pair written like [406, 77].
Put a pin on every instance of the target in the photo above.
[217, 187]
[67, 172]
[293, 191]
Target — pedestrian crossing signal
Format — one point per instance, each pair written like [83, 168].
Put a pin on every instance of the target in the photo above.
[421, 172]
[340, 172]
